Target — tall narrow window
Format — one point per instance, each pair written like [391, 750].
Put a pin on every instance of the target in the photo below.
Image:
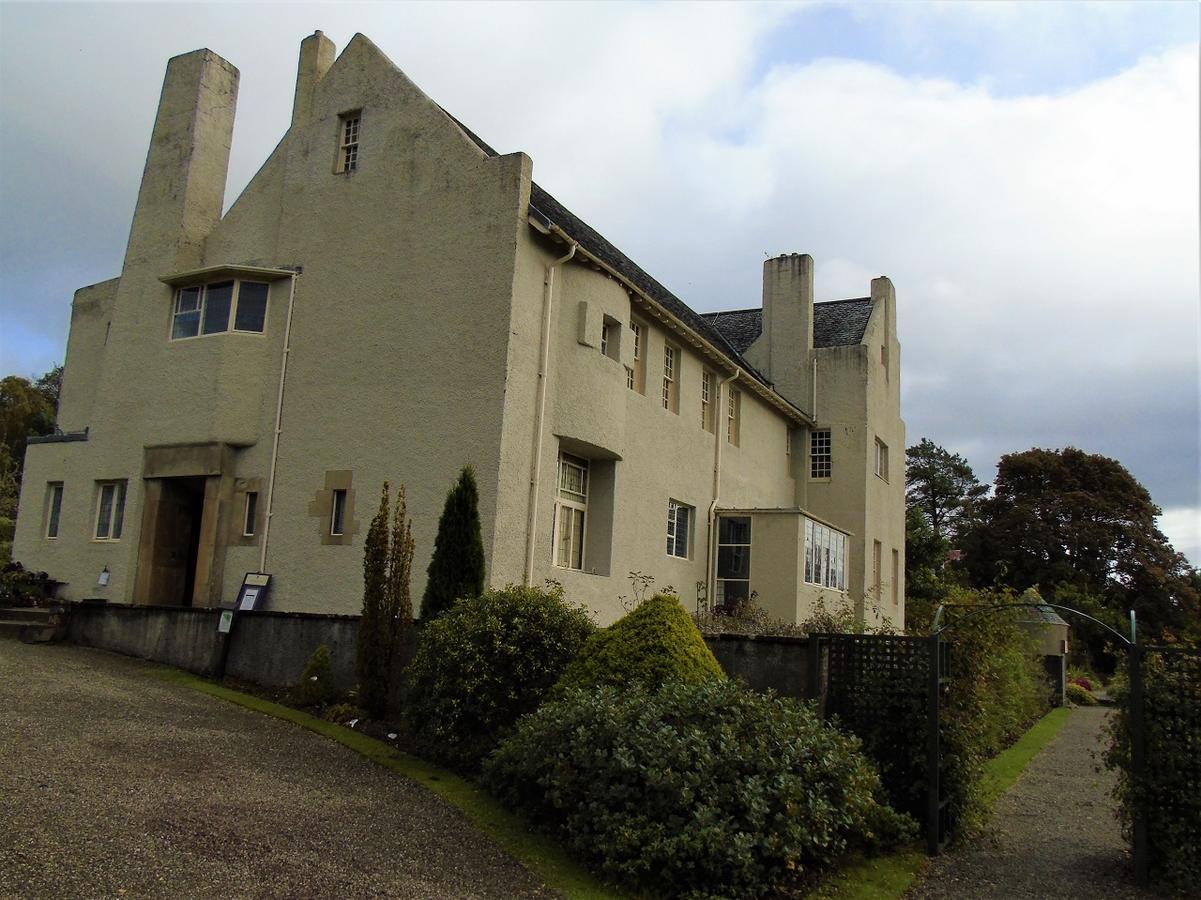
[733, 413]
[882, 459]
[250, 514]
[348, 145]
[679, 525]
[110, 510]
[733, 560]
[877, 585]
[707, 381]
[896, 577]
[671, 373]
[337, 512]
[54, 507]
[820, 458]
[571, 508]
[636, 374]
[787, 440]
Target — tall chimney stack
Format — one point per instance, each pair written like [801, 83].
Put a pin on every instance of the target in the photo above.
[183, 184]
[316, 56]
[787, 337]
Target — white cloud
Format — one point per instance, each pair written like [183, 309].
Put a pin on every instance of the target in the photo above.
[1182, 525]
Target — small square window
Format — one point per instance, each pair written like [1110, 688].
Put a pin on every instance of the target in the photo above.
[337, 513]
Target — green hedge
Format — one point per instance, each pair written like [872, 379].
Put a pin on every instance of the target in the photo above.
[697, 790]
[1169, 791]
[483, 664]
[656, 643]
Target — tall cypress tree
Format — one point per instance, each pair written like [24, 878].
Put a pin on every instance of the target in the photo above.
[375, 627]
[457, 567]
[400, 568]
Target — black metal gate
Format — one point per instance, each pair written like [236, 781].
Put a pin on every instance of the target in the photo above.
[887, 690]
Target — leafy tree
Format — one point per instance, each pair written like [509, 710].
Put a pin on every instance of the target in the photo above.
[926, 582]
[457, 567]
[1069, 519]
[942, 486]
[375, 626]
[26, 408]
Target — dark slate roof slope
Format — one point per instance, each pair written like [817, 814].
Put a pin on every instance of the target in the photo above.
[840, 323]
[836, 323]
[598, 246]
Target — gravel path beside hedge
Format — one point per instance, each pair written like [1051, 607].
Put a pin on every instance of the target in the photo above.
[1054, 833]
[117, 783]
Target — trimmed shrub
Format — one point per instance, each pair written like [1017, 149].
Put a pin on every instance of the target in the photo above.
[317, 681]
[656, 643]
[1080, 695]
[341, 713]
[456, 569]
[697, 790]
[485, 663]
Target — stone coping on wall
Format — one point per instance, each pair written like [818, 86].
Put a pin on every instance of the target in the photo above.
[200, 610]
[763, 638]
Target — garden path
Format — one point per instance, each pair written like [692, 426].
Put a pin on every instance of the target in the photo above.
[1054, 833]
[116, 783]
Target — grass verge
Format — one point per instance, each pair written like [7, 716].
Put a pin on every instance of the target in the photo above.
[889, 877]
[538, 853]
[1003, 769]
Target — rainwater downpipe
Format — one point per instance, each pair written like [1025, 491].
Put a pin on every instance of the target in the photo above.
[548, 287]
[711, 562]
[279, 412]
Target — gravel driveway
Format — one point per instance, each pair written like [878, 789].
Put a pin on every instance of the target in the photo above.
[1054, 833]
[116, 783]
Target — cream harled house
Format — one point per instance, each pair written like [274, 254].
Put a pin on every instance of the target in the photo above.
[390, 298]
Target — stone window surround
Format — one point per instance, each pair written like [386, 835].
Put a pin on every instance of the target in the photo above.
[322, 506]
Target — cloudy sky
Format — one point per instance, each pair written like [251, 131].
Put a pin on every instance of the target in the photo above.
[1027, 174]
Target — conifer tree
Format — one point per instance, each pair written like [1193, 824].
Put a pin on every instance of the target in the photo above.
[375, 628]
[400, 569]
[457, 567]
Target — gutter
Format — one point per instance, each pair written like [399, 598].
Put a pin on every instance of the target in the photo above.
[548, 287]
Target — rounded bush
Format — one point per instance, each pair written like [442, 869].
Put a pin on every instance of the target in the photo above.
[656, 643]
[483, 664]
[1080, 695]
[697, 790]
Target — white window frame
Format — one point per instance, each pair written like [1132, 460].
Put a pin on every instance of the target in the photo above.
[733, 416]
[671, 373]
[679, 533]
[337, 512]
[54, 509]
[821, 454]
[110, 515]
[201, 303]
[826, 556]
[708, 380]
[636, 374]
[250, 514]
[881, 459]
[571, 512]
[350, 127]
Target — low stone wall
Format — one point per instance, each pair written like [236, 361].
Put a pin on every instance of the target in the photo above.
[267, 648]
[763, 662]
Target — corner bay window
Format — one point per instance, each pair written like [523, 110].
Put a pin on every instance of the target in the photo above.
[733, 560]
[679, 525]
[208, 309]
[825, 556]
[110, 510]
[571, 507]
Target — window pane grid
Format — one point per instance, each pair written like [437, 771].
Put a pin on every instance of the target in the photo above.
[825, 556]
[820, 456]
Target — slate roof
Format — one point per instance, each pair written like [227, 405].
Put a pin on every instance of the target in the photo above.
[595, 243]
[836, 323]
[1044, 614]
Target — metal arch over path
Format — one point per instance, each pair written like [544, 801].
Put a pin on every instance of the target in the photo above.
[981, 608]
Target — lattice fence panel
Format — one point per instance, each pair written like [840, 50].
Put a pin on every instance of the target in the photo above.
[1172, 717]
[877, 686]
